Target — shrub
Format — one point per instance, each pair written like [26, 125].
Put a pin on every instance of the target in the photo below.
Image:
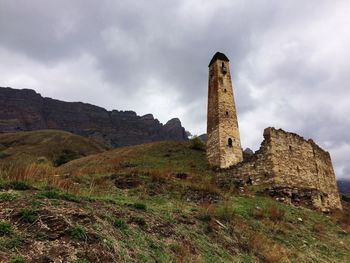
[197, 144]
[140, 206]
[77, 232]
[28, 215]
[5, 229]
[4, 155]
[17, 259]
[65, 157]
[345, 198]
[7, 197]
[120, 223]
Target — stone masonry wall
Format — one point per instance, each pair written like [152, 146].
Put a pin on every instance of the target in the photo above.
[289, 161]
[223, 144]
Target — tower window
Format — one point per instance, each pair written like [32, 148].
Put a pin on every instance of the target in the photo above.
[226, 113]
[223, 68]
[290, 148]
[225, 90]
[229, 142]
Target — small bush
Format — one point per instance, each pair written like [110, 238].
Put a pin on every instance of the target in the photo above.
[17, 259]
[28, 215]
[5, 229]
[77, 232]
[140, 206]
[345, 198]
[15, 185]
[65, 157]
[7, 197]
[120, 223]
[197, 144]
[4, 155]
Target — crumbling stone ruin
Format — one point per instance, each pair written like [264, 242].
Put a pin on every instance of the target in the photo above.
[293, 169]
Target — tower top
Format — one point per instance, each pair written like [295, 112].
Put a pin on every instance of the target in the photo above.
[220, 56]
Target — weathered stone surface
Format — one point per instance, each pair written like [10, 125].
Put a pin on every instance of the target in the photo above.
[26, 110]
[223, 144]
[286, 160]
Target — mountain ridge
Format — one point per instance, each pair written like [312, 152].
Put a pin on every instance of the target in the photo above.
[27, 110]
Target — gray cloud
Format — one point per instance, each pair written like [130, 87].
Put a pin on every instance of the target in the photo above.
[290, 60]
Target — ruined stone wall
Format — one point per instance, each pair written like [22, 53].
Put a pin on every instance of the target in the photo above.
[289, 161]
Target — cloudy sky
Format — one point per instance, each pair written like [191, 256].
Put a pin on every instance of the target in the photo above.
[290, 60]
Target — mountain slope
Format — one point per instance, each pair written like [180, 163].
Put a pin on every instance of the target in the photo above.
[26, 110]
[45, 146]
[157, 202]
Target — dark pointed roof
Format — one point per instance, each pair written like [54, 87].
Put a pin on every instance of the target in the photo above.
[220, 56]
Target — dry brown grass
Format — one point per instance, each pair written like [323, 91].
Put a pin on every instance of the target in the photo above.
[342, 218]
[267, 250]
[258, 213]
[275, 213]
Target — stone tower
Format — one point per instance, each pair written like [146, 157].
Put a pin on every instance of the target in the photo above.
[224, 144]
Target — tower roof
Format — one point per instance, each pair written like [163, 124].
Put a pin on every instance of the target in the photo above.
[220, 56]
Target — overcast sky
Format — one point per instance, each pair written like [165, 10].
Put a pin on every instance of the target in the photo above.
[290, 60]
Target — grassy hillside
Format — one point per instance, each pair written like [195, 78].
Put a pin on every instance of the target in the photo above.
[156, 202]
[45, 146]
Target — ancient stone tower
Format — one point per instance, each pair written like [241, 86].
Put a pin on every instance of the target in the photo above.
[223, 145]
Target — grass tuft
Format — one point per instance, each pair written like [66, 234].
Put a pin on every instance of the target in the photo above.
[15, 185]
[77, 232]
[120, 224]
[17, 259]
[5, 229]
[53, 193]
[140, 206]
[28, 215]
[7, 197]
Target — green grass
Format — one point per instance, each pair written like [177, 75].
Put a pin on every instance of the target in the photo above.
[5, 229]
[13, 242]
[28, 215]
[77, 232]
[140, 206]
[7, 197]
[54, 193]
[17, 259]
[14, 185]
[157, 222]
[120, 224]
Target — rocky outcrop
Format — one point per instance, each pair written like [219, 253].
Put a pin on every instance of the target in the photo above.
[26, 110]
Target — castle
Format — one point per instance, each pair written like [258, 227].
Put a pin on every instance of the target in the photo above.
[293, 169]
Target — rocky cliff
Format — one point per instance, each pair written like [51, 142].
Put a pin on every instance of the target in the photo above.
[26, 110]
